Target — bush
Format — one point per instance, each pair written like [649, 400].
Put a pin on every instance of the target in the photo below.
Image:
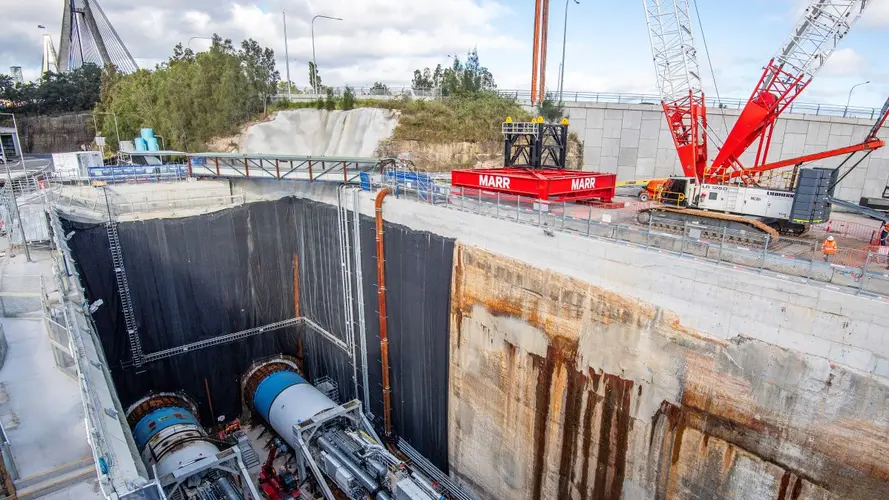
[348, 98]
[551, 109]
[330, 100]
[473, 118]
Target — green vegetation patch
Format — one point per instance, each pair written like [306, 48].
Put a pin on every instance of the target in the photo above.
[470, 118]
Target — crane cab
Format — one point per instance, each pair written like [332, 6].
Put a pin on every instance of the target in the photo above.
[679, 191]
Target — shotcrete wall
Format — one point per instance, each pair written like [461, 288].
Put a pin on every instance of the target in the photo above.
[633, 141]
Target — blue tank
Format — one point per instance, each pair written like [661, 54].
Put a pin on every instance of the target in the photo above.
[140, 144]
[147, 133]
[152, 144]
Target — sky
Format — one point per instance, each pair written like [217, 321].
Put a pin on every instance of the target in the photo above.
[607, 46]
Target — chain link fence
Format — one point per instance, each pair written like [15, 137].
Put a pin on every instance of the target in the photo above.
[797, 259]
[396, 92]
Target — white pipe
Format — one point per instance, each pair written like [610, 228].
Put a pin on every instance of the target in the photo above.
[359, 280]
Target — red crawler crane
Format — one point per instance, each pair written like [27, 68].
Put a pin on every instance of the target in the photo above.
[727, 185]
[815, 37]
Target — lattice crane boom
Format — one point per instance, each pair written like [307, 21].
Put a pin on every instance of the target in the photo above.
[678, 80]
[815, 37]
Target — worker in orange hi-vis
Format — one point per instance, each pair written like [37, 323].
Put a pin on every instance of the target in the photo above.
[828, 248]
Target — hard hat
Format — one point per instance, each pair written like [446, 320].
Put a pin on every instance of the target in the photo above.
[830, 238]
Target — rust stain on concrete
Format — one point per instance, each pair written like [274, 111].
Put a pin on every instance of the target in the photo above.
[537, 416]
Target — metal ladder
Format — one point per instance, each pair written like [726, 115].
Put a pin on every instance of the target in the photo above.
[123, 288]
[346, 265]
[731, 198]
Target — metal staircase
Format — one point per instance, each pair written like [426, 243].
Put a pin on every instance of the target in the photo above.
[248, 453]
[123, 288]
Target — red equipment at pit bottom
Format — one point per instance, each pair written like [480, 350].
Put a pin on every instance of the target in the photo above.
[270, 483]
[543, 184]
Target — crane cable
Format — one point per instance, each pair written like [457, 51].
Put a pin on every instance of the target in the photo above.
[712, 132]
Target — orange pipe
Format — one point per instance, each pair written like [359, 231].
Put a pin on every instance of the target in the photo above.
[381, 297]
[544, 28]
[534, 60]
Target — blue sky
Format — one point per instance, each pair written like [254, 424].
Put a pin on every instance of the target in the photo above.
[608, 47]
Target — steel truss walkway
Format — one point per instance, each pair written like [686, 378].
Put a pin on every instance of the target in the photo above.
[283, 167]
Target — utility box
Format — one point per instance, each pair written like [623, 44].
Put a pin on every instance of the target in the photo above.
[810, 200]
[76, 165]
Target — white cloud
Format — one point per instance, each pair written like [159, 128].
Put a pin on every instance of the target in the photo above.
[844, 62]
[877, 14]
[383, 39]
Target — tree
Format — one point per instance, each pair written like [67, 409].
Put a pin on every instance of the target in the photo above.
[55, 93]
[282, 88]
[379, 89]
[458, 80]
[191, 97]
[348, 98]
[550, 108]
[427, 79]
[467, 79]
[315, 78]
[259, 65]
[476, 78]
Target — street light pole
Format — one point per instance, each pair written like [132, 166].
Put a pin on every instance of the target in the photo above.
[314, 62]
[846, 110]
[116, 129]
[564, 41]
[286, 57]
[15, 206]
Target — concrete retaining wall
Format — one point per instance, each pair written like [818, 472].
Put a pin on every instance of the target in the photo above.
[633, 141]
[589, 369]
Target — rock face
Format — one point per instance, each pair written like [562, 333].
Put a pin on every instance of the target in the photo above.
[357, 132]
[563, 390]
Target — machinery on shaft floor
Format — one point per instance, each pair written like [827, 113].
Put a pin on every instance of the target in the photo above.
[336, 448]
[750, 191]
[276, 486]
[184, 459]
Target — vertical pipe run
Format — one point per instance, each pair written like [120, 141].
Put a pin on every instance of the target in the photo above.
[359, 280]
[544, 28]
[381, 296]
[209, 398]
[534, 60]
[346, 264]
